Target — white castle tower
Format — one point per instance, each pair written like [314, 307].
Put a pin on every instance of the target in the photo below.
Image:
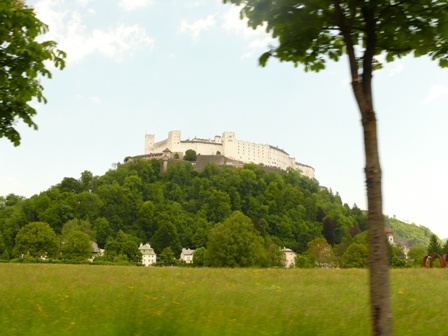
[149, 143]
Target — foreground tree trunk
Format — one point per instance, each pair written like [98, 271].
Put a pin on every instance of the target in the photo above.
[378, 255]
[362, 89]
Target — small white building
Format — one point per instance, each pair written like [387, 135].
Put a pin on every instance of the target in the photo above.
[290, 257]
[149, 257]
[187, 255]
[96, 251]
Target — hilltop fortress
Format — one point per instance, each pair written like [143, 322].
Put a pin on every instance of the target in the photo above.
[227, 146]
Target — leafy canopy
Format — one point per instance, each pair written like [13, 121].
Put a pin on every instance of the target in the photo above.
[309, 32]
[22, 62]
[36, 239]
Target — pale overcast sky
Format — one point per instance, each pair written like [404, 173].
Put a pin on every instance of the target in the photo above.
[151, 66]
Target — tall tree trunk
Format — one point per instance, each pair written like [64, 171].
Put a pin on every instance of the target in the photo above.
[362, 89]
[378, 254]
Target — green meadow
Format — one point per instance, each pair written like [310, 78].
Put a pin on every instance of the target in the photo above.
[45, 299]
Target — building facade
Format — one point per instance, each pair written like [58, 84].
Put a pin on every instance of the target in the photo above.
[187, 255]
[229, 146]
[290, 257]
[149, 257]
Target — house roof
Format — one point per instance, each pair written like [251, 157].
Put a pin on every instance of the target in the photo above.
[187, 251]
[95, 248]
[146, 249]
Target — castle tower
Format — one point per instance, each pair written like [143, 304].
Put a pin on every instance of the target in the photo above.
[173, 140]
[149, 143]
[229, 144]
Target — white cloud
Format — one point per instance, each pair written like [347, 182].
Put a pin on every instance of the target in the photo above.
[398, 67]
[83, 2]
[235, 25]
[257, 46]
[258, 40]
[435, 92]
[196, 27]
[193, 4]
[131, 5]
[392, 68]
[68, 28]
[380, 58]
[95, 100]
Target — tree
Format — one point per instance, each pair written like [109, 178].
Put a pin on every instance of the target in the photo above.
[102, 231]
[23, 60]
[165, 236]
[305, 261]
[328, 230]
[434, 245]
[145, 219]
[199, 258]
[217, 205]
[416, 254]
[274, 254]
[77, 225]
[397, 257]
[235, 243]
[122, 248]
[310, 32]
[322, 251]
[76, 246]
[445, 248]
[71, 185]
[356, 256]
[36, 239]
[190, 155]
[86, 205]
[167, 256]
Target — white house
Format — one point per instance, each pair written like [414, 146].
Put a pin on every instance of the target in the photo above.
[187, 255]
[149, 257]
[290, 257]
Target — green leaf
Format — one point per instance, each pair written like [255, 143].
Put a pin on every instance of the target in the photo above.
[264, 58]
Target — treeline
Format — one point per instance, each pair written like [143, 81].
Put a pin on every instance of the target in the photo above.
[136, 202]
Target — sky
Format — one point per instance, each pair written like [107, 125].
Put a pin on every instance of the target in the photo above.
[152, 66]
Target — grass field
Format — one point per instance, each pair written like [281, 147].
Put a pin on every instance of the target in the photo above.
[41, 299]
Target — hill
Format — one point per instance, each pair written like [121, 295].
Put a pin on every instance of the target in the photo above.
[409, 232]
[179, 207]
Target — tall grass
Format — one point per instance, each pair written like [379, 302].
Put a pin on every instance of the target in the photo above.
[107, 300]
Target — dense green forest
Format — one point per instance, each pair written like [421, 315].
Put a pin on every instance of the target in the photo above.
[136, 202]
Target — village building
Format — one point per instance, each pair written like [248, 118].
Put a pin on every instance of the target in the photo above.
[149, 257]
[187, 255]
[96, 251]
[290, 257]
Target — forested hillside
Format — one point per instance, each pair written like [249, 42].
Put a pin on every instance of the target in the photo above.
[137, 202]
[412, 233]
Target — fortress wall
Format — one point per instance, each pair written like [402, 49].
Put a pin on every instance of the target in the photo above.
[279, 158]
[306, 170]
[229, 147]
[200, 148]
[247, 151]
[160, 146]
